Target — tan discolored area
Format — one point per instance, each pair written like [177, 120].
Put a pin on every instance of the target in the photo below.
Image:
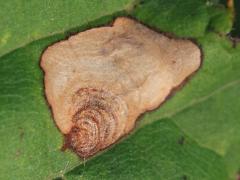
[99, 81]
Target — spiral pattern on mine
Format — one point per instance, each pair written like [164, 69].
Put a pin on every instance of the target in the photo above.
[99, 120]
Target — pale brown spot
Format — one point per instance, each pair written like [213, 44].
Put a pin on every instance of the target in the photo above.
[99, 81]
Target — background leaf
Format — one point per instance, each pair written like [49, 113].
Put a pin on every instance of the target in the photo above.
[25, 21]
[194, 135]
[236, 27]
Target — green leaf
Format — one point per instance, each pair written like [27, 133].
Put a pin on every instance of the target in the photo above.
[194, 135]
[22, 22]
[232, 160]
[30, 142]
[157, 151]
[221, 20]
[183, 18]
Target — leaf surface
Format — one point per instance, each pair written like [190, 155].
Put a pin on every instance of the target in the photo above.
[193, 135]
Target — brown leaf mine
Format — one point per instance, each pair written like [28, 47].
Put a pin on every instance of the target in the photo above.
[99, 81]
